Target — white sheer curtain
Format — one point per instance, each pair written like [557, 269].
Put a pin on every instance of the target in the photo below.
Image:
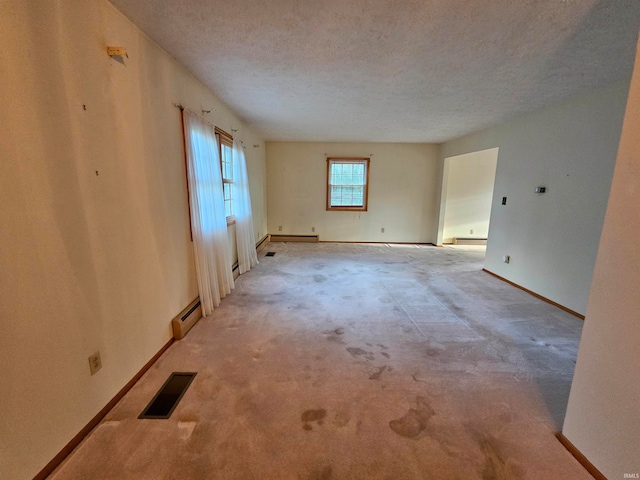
[208, 220]
[245, 237]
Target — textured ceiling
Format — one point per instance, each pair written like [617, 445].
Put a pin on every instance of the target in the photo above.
[391, 70]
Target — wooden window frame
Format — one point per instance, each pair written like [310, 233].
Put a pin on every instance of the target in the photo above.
[225, 139]
[344, 208]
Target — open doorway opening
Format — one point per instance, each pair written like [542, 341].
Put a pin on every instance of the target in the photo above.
[467, 193]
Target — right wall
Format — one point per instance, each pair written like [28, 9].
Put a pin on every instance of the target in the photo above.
[570, 149]
[603, 416]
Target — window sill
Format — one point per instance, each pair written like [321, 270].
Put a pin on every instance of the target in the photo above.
[346, 209]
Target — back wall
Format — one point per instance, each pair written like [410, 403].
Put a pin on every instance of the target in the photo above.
[403, 189]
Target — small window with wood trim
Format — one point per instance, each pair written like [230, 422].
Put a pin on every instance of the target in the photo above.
[347, 184]
[225, 142]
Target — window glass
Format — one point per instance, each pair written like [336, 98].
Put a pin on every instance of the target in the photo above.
[347, 183]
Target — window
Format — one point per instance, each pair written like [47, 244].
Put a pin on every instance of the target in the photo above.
[225, 142]
[347, 183]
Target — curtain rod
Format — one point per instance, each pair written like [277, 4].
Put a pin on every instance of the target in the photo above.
[182, 107]
[201, 117]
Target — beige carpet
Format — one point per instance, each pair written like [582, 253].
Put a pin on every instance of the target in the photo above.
[355, 362]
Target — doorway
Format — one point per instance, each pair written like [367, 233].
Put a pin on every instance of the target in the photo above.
[467, 193]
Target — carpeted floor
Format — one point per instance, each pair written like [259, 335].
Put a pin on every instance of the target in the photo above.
[355, 362]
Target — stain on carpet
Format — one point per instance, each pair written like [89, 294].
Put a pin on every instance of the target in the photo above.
[309, 416]
[414, 421]
[341, 419]
[378, 374]
[335, 335]
[337, 331]
[358, 352]
[325, 474]
[313, 415]
[495, 467]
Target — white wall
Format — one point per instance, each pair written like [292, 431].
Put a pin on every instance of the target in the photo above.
[603, 416]
[570, 148]
[89, 261]
[467, 194]
[403, 192]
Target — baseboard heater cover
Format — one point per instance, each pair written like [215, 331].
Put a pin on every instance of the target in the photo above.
[469, 241]
[262, 243]
[165, 401]
[294, 238]
[186, 319]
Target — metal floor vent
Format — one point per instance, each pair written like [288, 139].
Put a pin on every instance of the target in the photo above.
[165, 401]
[270, 254]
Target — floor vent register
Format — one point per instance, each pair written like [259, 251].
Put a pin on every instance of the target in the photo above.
[167, 398]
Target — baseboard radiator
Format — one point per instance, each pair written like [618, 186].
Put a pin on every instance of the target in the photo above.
[294, 238]
[186, 319]
[262, 243]
[190, 315]
[469, 241]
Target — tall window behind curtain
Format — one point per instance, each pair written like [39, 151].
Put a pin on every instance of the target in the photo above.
[245, 237]
[208, 219]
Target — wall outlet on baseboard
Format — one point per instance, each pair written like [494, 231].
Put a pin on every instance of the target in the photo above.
[95, 363]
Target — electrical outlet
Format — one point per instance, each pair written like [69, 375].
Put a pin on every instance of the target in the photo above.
[280, 228]
[382, 230]
[313, 229]
[95, 363]
[471, 231]
[506, 259]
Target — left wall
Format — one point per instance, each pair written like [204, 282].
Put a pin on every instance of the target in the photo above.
[94, 228]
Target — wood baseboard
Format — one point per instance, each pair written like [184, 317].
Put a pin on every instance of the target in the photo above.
[584, 461]
[75, 441]
[545, 299]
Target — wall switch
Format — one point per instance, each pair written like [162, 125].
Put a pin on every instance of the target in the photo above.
[506, 259]
[382, 230]
[95, 363]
